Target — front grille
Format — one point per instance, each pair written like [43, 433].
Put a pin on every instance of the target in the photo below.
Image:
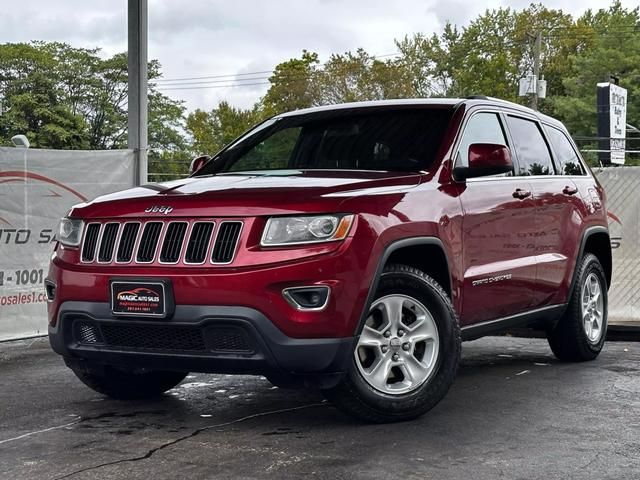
[168, 242]
[90, 242]
[226, 242]
[87, 333]
[227, 339]
[127, 242]
[149, 242]
[199, 242]
[153, 337]
[172, 245]
[108, 242]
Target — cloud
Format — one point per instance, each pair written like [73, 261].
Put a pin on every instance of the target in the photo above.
[203, 37]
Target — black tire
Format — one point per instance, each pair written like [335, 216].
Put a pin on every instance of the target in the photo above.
[123, 385]
[356, 397]
[568, 339]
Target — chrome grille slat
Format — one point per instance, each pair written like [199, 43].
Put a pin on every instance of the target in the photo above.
[226, 242]
[149, 242]
[173, 240]
[127, 242]
[90, 242]
[108, 242]
[199, 242]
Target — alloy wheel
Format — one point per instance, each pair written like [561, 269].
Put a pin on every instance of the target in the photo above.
[399, 345]
[592, 308]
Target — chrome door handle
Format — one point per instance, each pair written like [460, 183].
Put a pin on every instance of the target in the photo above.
[569, 190]
[521, 194]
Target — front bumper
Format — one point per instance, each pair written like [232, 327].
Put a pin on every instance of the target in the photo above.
[197, 338]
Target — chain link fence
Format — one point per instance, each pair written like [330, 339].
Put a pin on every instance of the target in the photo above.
[622, 185]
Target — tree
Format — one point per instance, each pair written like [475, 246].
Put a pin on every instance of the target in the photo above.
[353, 77]
[292, 85]
[35, 99]
[213, 130]
[492, 53]
[614, 49]
[72, 98]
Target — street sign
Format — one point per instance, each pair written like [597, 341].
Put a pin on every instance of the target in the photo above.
[612, 121]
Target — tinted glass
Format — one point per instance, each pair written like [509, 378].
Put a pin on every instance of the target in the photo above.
[532, 151]
[394, 140]
[481, 128]
[566, 157]
[272, 153]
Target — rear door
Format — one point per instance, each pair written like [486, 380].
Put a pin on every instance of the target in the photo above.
[557, 203]
[571, 185]
[497, 232]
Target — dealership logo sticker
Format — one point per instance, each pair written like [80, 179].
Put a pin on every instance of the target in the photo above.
[139, 295]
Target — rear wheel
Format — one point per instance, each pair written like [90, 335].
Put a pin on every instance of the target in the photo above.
[122, 384]
[580, 333]
[407, 354]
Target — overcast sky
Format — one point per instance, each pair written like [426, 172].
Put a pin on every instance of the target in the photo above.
[193, 38]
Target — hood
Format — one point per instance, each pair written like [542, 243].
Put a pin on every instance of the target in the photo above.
[249, 193]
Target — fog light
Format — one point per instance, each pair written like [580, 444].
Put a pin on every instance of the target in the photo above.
[307, 298]
[50, 290]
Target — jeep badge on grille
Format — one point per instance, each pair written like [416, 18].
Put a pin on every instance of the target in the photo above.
[156, 209]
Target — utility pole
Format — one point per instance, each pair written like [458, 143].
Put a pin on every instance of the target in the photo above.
[537, 46]
[137, 70]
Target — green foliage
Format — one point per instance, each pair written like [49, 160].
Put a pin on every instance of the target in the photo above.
[71, 98]
[614, 50]
[66, 97]
[291, 85]
[213, 130]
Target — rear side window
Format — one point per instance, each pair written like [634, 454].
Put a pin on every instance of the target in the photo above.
[481, 128]
[566, 157]
[531, 148]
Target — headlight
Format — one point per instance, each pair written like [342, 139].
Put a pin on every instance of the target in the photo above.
[306, 229]
[70, 232]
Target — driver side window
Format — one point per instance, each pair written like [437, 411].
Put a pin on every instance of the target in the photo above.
[481, 128]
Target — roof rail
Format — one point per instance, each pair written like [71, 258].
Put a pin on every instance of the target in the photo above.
[477, 97]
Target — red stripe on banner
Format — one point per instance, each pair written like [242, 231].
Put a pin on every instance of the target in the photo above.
[36, 176]
[614, 217]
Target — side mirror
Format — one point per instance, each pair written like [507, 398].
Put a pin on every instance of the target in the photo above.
[485, 159]
[198, 162]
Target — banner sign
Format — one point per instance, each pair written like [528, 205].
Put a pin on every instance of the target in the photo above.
[623, 208]
[612, 123]
[37, 188]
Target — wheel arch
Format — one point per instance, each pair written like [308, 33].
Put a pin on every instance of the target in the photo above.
[595, 240]
[424, 253]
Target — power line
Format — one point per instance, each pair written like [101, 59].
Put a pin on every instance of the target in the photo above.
[215, 86]
[202, 82]
[212, 76]
[232, 76]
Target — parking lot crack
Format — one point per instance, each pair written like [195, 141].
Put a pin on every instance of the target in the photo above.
[78, 420]
[175, 441]
[37, 432]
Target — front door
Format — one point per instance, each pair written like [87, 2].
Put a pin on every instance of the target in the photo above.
[498, 233]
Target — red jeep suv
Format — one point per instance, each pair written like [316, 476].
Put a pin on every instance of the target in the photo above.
[350, 248]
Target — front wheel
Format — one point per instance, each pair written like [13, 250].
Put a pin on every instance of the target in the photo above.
[407, 354]
[125, 385]
[580, 334]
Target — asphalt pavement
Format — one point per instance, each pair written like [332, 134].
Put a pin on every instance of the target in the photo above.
[514, 412]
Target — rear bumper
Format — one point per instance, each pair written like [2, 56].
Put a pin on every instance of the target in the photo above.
[214, 339]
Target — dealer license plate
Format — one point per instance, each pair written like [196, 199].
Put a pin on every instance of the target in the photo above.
[146, 299]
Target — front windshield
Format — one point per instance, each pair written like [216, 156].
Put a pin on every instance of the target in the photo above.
[352, 139]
